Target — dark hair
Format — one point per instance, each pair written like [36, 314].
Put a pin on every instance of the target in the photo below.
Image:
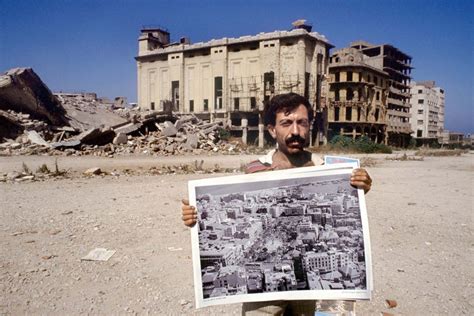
[285, 102]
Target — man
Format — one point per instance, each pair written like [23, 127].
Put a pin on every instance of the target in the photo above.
[288, 118]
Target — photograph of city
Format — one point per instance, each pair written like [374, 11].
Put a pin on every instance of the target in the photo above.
[298, 235]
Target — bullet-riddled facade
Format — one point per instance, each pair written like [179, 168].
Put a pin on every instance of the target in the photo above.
[358, 95]
[231, 78]
[398, 66]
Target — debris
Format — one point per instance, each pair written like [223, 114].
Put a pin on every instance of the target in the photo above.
[400, 270]
[48, 257]
[183, 302]
[67, 212]
[121, 138]
[174, 249]
[99, 254]
[22, 90]
[93, 171]
[411, 203]
[55, 232]
[391, 303]
[35, 138]
[169, 129]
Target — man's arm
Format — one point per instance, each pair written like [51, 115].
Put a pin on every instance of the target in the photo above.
[361, 179]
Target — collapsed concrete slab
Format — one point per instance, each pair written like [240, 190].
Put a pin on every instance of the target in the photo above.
[9, 126]
[96, 136]
[22, 90]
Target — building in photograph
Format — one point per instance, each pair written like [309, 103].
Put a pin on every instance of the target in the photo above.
[230, 79]
[358, 95]
[398, 66]
[427, 107]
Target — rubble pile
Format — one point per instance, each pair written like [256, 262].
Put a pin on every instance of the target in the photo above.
[22, 90]
[187, 134]
[35, 121]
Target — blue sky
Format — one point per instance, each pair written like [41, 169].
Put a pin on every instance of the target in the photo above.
[90, 45]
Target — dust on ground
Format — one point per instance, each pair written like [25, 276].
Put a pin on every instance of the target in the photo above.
[420, 216]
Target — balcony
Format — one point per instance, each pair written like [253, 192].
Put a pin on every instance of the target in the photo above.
[399, 92]
[398, 113]
[400, 103]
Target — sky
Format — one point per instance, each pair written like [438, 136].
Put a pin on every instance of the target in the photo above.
[89, 46]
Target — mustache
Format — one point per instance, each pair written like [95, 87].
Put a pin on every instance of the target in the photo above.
[296, 138]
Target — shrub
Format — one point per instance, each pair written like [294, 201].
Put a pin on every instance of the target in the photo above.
[362, 145]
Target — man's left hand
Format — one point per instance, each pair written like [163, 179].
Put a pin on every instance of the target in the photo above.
[361, 179]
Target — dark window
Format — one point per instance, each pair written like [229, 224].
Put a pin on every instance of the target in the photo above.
[349, 94]
[175, 95]
[218, 92]
[377, 96]
[236, 104]
[319, 64]
[369, 78]
[419, 133]
[420, 91]
[206, 104]
[336, 114]
[360, 94]
[336, 95]
[349, 76]
[421, 101]
[253, 102]
[191, 105]
[348, 114]
[336, 77]
[152, 105]
[306, 85]
[360, 76]
[268, 85]
[376, 80]
[358, 113]
[376, 115]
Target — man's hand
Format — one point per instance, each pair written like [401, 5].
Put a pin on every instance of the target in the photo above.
[361, 179]
[189, 213]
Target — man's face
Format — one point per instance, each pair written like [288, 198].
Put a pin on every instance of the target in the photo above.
[291, 130]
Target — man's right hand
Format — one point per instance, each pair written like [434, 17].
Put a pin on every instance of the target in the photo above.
[189, 213]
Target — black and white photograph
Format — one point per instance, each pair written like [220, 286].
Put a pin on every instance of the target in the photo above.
[292, 234]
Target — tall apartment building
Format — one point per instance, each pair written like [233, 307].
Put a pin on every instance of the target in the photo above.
[358, 95]
[230, 79]
[427, 104]
[398, 65]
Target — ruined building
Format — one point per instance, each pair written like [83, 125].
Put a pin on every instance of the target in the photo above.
[358, 94]
[230, 79]
[427, 104]
[398, 66]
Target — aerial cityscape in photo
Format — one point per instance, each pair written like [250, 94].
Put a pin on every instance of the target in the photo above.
[285, 236]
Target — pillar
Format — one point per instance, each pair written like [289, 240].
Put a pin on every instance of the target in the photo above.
[244, 124]
[261, 130]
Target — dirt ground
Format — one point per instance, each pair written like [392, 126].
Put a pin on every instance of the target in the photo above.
[420, 215]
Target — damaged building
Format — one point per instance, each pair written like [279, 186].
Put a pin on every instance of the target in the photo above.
[230, 79]
[398, 66]
[358, 95]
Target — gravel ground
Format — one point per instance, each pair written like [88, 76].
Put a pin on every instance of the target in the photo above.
[420, 215]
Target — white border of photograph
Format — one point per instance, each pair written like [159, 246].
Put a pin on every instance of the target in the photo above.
[324, 170]
[328, 160]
